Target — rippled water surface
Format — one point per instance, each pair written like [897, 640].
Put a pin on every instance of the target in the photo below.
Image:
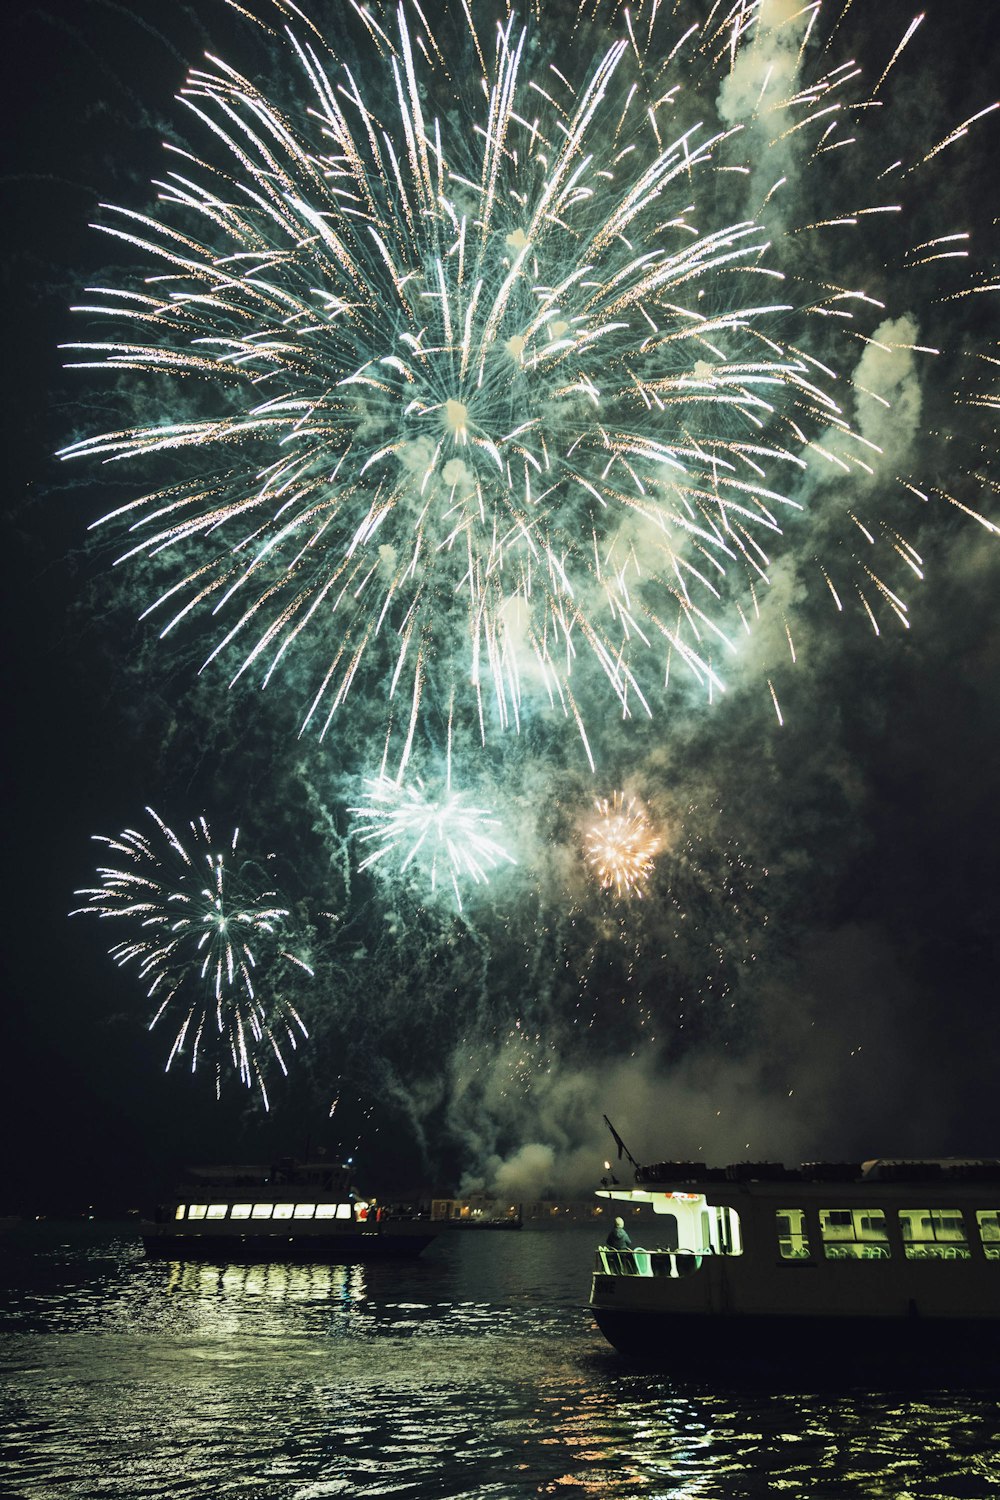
[472, 1372]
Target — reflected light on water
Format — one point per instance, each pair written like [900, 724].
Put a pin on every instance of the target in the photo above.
[309, 1283]
[618, 1446]
[473, 1374]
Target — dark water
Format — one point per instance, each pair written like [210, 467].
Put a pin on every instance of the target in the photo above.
[473, 1372]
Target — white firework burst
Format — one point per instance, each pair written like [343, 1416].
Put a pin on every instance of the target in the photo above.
[492, 392]
[442, 834]
[211, 941]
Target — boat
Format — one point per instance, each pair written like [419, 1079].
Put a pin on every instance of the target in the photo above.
[845, 1264]
[286, 1211]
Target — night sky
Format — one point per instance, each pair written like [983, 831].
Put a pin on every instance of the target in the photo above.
[813, 971]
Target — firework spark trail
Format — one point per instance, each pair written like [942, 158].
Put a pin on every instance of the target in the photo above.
[211, 941]
[484, 393]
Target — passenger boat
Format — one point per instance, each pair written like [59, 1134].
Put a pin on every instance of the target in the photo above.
[288, 1211]
[845, 1263]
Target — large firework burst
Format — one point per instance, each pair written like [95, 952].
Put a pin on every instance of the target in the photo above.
[491, 391]
[210, 939]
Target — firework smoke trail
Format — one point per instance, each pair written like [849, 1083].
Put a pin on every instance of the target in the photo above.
[491, 400]
[609, 992]
[209, 939]
[621, 845]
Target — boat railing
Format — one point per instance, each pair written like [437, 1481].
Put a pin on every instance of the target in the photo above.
[638, 1262]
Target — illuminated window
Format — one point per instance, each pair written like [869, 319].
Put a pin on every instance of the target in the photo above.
[283, 1210]
[933, 1234]
[240, 1211]
[197, 1210]
[343, 1210]
[179, 1214]
[793, 1241]
[304, 1210]
[262, 1210]
[217, 1210]
[988, 1220]
[326, 1210]
[853, 1233]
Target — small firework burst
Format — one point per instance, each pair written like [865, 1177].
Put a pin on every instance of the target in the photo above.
[446, 836]
[212, 941]
[621, 845]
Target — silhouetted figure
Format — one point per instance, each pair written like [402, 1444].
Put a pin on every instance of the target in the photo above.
[618, 1236]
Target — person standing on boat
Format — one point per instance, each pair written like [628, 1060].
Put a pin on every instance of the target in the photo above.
[618, 1238]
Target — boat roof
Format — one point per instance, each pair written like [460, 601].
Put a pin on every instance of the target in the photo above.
[948, 1169]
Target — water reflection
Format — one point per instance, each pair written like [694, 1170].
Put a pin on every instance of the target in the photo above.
[300, 1419]
[632, 1436]
[301, 1282]
[476, 1376]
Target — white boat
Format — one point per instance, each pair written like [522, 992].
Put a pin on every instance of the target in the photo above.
[762, 1263]
[288, 1211]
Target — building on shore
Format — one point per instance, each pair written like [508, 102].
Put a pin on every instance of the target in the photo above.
[537, 1213]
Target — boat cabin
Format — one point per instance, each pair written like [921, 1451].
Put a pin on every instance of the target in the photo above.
[868, 1242]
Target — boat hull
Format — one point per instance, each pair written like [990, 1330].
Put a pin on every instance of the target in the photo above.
[740, 1344]
[331, 1247]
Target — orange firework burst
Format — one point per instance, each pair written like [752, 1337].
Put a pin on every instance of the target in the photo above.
[621, 845]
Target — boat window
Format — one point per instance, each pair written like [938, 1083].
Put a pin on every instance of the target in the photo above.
[666, 1231]
[726, 1238]
[343, 1210]
[240, 1211]
[710, 1231]
[180, 1211]
[262, 1210]
[853, 1233]
[793, 1241]
[304, 1210]
[326, 1210]
[988, 1220]
[933, 1234]
[217, 1210]
[283, 1210]
[197, 1210]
